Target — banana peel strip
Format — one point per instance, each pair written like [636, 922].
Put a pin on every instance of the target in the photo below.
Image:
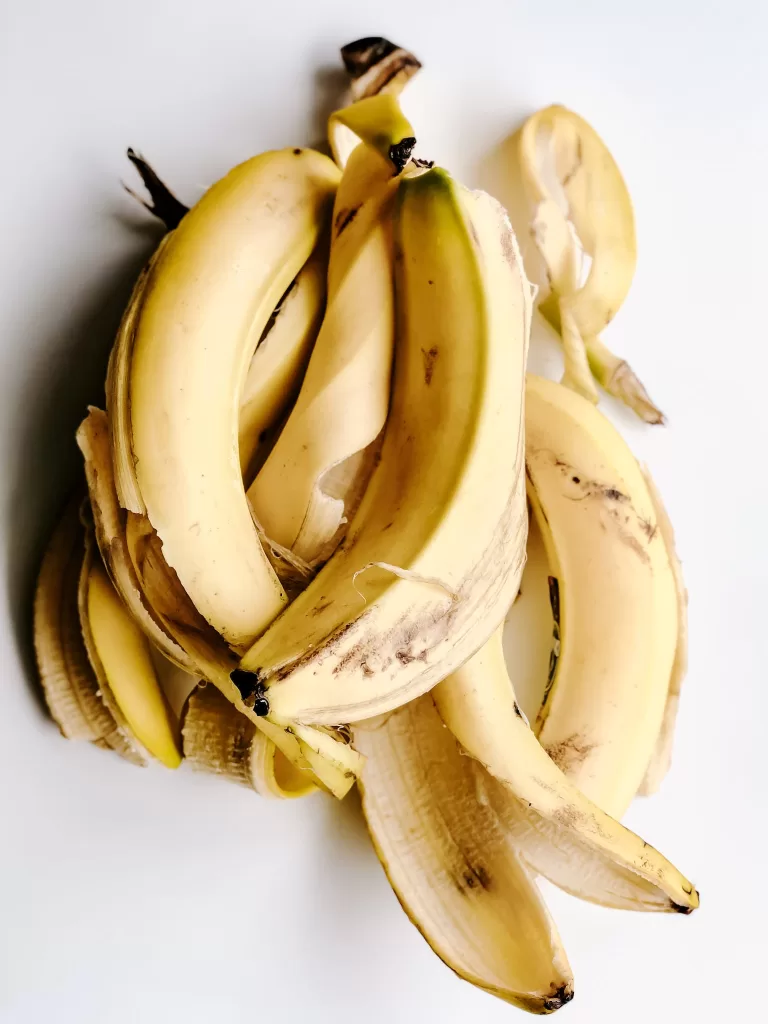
[581, 207]
[662, 756]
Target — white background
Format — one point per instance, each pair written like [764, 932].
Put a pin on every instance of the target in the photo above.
[147, 896]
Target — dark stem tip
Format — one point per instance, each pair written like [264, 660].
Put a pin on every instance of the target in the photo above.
[362, 54]
[561, 996]
[400, 153]
[164, 203]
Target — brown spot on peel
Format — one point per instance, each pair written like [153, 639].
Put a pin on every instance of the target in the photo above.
[343, 219]
[429, 357]
[570, 753]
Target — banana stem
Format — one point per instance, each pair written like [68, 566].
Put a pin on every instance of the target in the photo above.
[376, 65]
[163, 203]
[618, 378]
[577, 375]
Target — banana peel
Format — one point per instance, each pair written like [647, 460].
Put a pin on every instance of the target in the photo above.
[583, 225]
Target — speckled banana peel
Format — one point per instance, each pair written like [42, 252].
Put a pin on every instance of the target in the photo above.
[454, 866]
[315, 475]
[221, 741]
[433, 556]
[559, 832]
[192, 333]
[580, 206]
[614, 592]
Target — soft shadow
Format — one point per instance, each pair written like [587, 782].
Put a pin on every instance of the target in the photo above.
[331, 85]
[67, 374]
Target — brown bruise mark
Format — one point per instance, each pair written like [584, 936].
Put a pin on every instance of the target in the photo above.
[321, 606]
[344, 218]
[429, 357]
[627, 537]
[649, 529]
[568, 817]
[570, 753]
[330, 645]
[405, 656]
[475, 877]
[568, 177]
[592, 489]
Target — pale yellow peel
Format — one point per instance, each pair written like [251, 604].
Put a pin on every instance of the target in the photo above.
[124, 653]
[616, 596]
[315, 474]
[453, 865]
[661, 759]
[198, 326]
[280, 360]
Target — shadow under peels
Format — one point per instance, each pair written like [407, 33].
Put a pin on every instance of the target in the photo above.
[51, 401]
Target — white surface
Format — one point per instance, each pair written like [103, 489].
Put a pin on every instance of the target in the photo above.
[142, 896]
